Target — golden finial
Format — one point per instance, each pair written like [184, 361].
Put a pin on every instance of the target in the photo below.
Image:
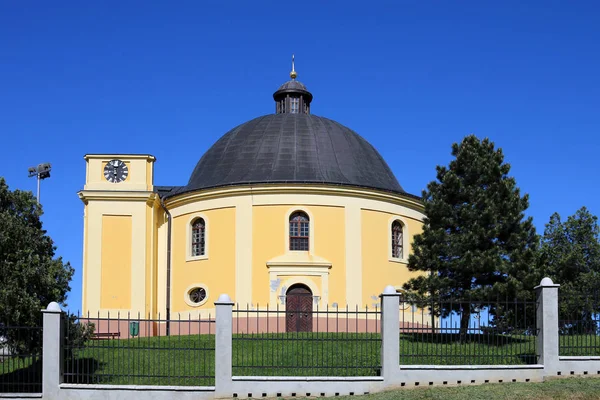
[293, 74]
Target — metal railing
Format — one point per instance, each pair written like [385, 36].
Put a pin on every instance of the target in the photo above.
[436, 331]
[140, 351]
[20, 359]
[306, 342]
[579, 323]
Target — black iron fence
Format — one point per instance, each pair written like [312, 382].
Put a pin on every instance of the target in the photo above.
[130, 350]
[20, 359]
[579, 323]
[304, 340]
[436, 331]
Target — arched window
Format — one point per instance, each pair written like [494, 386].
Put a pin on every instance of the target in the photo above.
[397, 240]
[198, 237]
[299, 231]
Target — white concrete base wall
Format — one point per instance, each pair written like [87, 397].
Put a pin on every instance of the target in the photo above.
[98, 392]
[260, 386]
[408, 376]
[577, 366]
[439, 375]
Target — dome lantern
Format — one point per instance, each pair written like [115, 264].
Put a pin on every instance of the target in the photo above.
[292, 97]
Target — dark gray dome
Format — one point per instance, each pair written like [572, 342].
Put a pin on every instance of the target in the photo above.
[293, 84]
[292, 148]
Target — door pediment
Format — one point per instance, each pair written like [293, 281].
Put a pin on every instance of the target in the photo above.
[298, 267]
[300, 259]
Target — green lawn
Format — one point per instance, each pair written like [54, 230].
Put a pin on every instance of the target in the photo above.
[167, 360]
[189, 360]
[579, 345]
[20, 374]
[446, 349]
[307, 354]
[554, 389]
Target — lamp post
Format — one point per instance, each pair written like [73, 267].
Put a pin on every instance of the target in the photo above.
[42, 171]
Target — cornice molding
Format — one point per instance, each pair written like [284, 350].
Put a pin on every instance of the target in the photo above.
[394, 198]
[127, 156]
[291, 260]
[286, 266]
[105, 195]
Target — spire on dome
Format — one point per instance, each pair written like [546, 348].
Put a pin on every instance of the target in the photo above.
[293, 74]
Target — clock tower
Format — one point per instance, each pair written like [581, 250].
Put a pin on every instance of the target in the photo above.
[120, 218]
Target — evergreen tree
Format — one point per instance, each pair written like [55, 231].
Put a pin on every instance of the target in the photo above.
[30, 275]
[476, 241]
[570, 251]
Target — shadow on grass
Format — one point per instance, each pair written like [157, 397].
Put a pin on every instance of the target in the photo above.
[82, 370]
[474, 349]
[455, 338]
[21, 380]
[528, 358]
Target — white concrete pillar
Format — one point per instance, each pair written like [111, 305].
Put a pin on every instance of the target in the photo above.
[52, 365]
[390, 334]
[547, 322]
[223, 344]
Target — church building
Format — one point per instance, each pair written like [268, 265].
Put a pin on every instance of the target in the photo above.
[288, 207]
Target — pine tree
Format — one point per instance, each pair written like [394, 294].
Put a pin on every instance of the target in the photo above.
[476, 241]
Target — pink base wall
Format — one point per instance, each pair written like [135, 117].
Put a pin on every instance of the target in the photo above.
[319, 324]
[150, 328]
[245, 325]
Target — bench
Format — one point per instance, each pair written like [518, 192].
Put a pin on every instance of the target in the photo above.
[106, 335]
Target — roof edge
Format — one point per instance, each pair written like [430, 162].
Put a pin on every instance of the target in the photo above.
[172, 191]
[88, 156]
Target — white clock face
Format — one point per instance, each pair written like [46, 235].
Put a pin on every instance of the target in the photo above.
[115, 171]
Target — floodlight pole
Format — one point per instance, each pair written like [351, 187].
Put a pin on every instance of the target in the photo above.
[38, 188]
[42, 171]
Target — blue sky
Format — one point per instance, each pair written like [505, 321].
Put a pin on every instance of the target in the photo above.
[169, 78]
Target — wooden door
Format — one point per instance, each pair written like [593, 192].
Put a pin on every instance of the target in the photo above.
[298, 309]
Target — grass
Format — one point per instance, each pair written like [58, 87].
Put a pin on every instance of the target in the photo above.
[20, 374]
[447, 349]
[165, 360]
[579, 345]
[190, 360]
[307, 354]
[554, 389]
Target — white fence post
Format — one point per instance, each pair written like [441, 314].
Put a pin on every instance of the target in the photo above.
[390, 334]
[547, 321]
[52, 365]
[223, 352]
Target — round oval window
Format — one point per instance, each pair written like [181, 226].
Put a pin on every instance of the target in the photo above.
[197, 295]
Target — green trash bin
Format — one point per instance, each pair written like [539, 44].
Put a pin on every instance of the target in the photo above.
[134, 328]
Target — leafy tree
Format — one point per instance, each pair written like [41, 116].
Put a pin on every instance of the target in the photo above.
[31, 276]
[570, 251]
[476, 242]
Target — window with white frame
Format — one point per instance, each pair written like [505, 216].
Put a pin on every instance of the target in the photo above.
[197, 295]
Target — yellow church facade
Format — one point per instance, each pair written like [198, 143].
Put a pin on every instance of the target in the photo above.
[285, 204]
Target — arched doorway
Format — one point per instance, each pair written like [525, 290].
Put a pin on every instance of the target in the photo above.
[298, 309]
